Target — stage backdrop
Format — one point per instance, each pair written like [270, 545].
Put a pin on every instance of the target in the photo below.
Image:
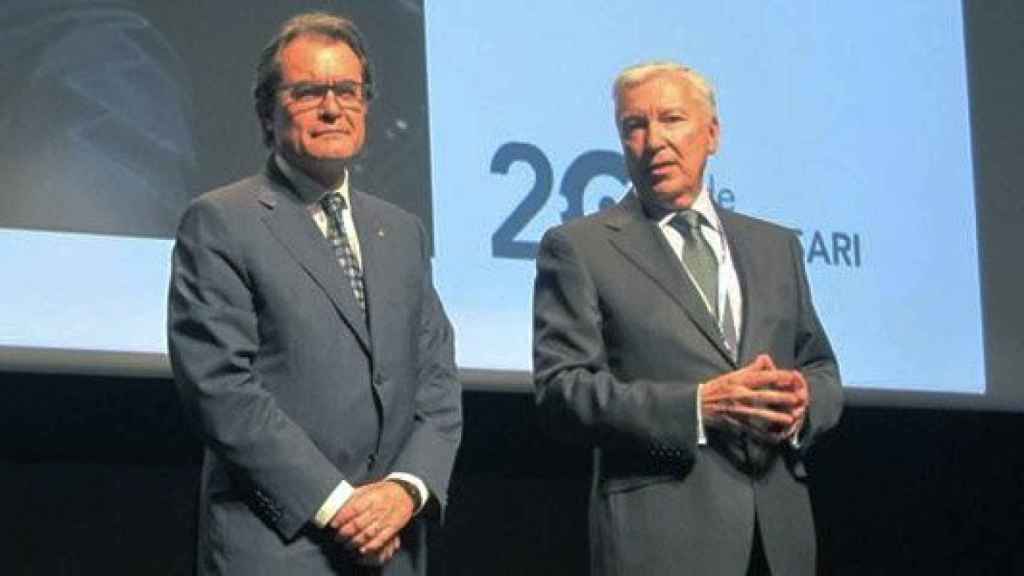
[847, 122]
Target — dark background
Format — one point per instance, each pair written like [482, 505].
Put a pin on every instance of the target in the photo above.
[121, 111]
[98, 475]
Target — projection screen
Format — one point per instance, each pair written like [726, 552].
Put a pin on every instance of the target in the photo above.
[850, 123]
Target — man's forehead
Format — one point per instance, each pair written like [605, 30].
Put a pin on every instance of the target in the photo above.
[661, 89]
[313, 51]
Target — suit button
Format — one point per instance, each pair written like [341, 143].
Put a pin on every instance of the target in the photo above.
[370, 461]
[378, 380]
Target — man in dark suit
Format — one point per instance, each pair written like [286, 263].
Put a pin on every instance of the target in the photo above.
[307, 340]
[680, 341]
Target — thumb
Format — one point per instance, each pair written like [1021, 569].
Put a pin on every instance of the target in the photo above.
[762, 362]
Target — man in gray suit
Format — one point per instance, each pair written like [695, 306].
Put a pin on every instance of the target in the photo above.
[307, 340]
[680, 341]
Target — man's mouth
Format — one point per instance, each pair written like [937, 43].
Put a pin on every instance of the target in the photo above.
[659, 169]
[330, 134]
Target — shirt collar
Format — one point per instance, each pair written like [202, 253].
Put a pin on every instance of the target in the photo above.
[310, 191]
[706, 208]
[701, 204]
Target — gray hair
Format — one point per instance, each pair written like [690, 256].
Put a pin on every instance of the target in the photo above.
[641, 73]
[268, 70]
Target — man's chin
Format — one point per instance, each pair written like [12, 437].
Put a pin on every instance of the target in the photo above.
[672, 197]
[327, 169]
[328, 160]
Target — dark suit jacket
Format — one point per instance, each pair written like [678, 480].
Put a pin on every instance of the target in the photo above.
[621, 340]
[289, 389]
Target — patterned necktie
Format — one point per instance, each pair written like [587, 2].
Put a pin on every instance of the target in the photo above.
[333, 204]
[698, 257]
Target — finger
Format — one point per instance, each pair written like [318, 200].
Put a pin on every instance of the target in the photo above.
[800, 377]
[791, 380]
[359, 540]
[770, 432]
[741, 385]
[762, 362]
[788, 433]
[379, 541]
[769, 378]
[353, 507]
[377, 516]
[355, 532]
[744, 419]
[380, 557]
[769, 398]
[765, 362]
[760, 417]
[389, 548]
[733, 385]
[728, 395]
[395, 518]
[801, 384]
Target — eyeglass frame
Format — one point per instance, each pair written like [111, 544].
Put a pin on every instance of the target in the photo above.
[362, 92]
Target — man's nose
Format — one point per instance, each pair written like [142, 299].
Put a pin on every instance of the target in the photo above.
[655, 136]
[330, 109]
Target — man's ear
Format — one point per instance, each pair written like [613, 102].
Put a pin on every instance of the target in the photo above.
[714, 134]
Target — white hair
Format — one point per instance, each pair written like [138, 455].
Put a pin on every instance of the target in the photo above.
[641, 73]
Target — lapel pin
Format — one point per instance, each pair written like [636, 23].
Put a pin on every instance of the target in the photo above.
[380, 232]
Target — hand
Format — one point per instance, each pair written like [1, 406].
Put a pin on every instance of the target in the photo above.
[370, 520]
[798, 386]
[758, 400]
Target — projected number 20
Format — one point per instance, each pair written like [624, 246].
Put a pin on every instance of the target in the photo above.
[579, 174]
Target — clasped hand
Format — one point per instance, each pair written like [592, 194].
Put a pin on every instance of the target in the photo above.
[758, 400]
[369, 522]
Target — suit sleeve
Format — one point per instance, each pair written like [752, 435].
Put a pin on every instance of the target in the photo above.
[815, 360]
[429, 453]
[213, 339]
[578, 396]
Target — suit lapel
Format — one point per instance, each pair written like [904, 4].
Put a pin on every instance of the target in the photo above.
[640, 241]
[290, 223]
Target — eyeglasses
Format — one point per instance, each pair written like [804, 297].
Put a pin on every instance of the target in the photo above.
[304, 95]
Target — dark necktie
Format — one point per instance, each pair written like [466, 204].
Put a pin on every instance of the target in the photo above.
[700, 260]
[698, 257]
[333, 204]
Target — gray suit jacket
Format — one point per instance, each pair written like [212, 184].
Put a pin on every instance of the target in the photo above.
[291, 390]
[621, 340]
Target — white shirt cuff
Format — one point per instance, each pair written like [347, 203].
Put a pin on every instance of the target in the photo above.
[415, 481]
[334, 502]
[702, 439]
